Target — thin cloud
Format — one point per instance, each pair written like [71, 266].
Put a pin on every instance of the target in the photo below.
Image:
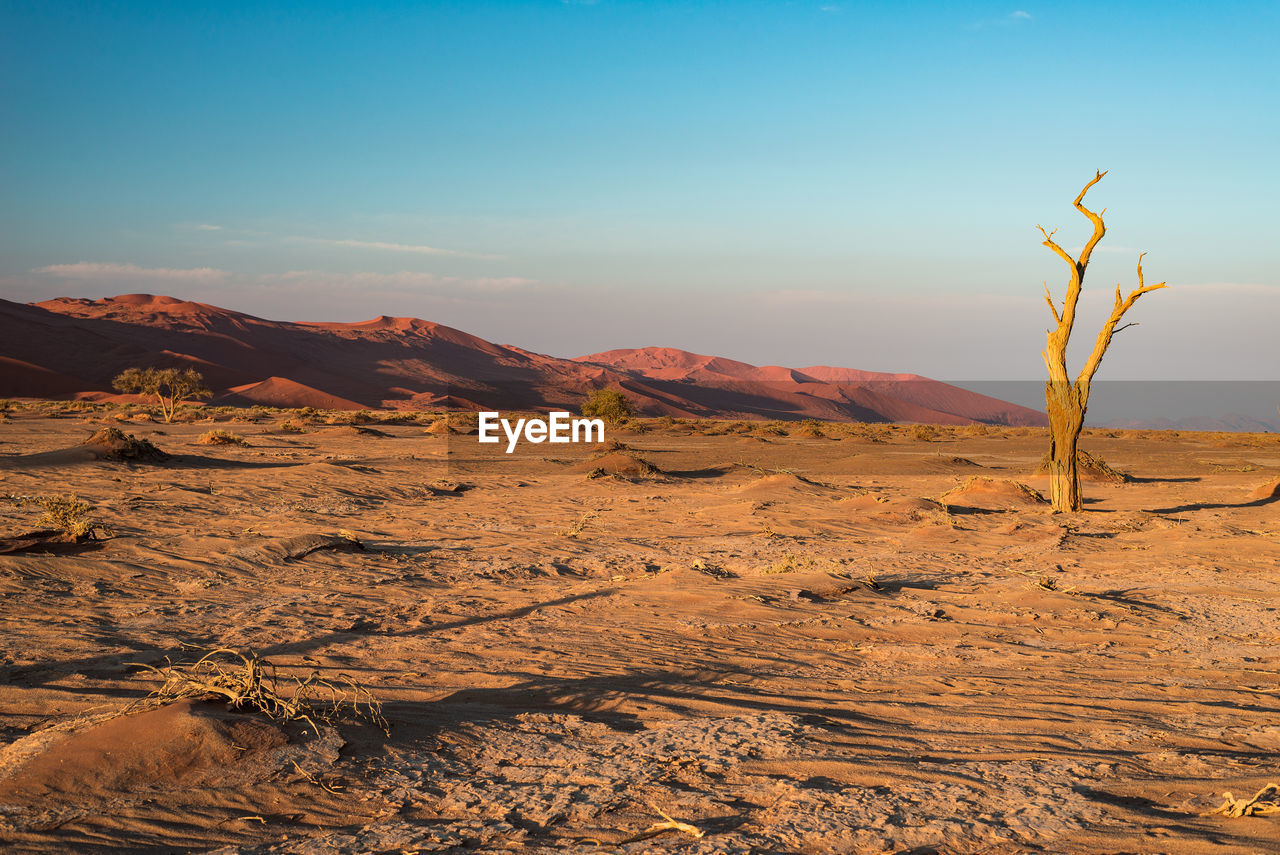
[103, 270]
[1018, 16]
[352, 243]
[1224, 288]
[403, 282]
[385, 246]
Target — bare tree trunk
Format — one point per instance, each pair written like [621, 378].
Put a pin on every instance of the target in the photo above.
[1066, 402]
[1066, 420]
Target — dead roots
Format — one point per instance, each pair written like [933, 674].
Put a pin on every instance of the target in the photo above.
[1256, 806]
[250, 684]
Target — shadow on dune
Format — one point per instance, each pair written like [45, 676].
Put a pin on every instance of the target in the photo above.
[77, 455]
[598, 698]
[1215, 506]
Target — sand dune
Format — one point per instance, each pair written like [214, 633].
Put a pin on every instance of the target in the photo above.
[77, 346]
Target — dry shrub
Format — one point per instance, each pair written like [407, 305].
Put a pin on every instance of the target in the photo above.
[923, 433]
[290, 426]
[621, 465]
[218, 436]
[65, 513]
[975, 429]
[810, 429]
[115, 444]
[1091, 466]
[772, 429]
[250, 684]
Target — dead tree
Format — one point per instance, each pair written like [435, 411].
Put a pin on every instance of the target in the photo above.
[1066, 401]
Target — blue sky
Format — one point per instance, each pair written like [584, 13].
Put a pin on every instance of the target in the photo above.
[780, 182]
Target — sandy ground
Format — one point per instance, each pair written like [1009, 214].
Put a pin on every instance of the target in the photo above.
[832, 658]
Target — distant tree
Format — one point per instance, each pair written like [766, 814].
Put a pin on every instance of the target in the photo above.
[1067, 401]
[608, 404]
[169, 386]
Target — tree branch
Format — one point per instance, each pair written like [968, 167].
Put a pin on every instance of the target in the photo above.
[1048, 298]
[1098, 228]
[1109, 328]
[1067, 318]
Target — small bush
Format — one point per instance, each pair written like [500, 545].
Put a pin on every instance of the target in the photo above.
[66, 513]
[810, 428]
[290, 426]
[923, 433]
[608, 404]
[219, 436]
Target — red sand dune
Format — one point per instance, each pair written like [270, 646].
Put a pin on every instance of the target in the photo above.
[283, 392]
[822, 391]
[73, 347]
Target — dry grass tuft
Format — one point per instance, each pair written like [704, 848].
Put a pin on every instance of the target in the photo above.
[579, 525]
[218, 436]
[810, 429]
[65, 513]
[249, 684]
[923, 433]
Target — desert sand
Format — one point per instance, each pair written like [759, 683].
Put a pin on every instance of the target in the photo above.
[847, 641]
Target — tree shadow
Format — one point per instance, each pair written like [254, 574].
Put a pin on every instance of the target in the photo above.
[1213, 506]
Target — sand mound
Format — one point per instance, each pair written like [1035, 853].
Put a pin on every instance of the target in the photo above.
[992, 493]
[1091, 469]
[107, 444]
[441, 428]
[114, 444]
[360, 430]
[951, 463]
[160, 746]
[1269, 490]
[619, 464]
[862, 502]
[48, 541]
[899, 509]
[299, 546]
[781, 482]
